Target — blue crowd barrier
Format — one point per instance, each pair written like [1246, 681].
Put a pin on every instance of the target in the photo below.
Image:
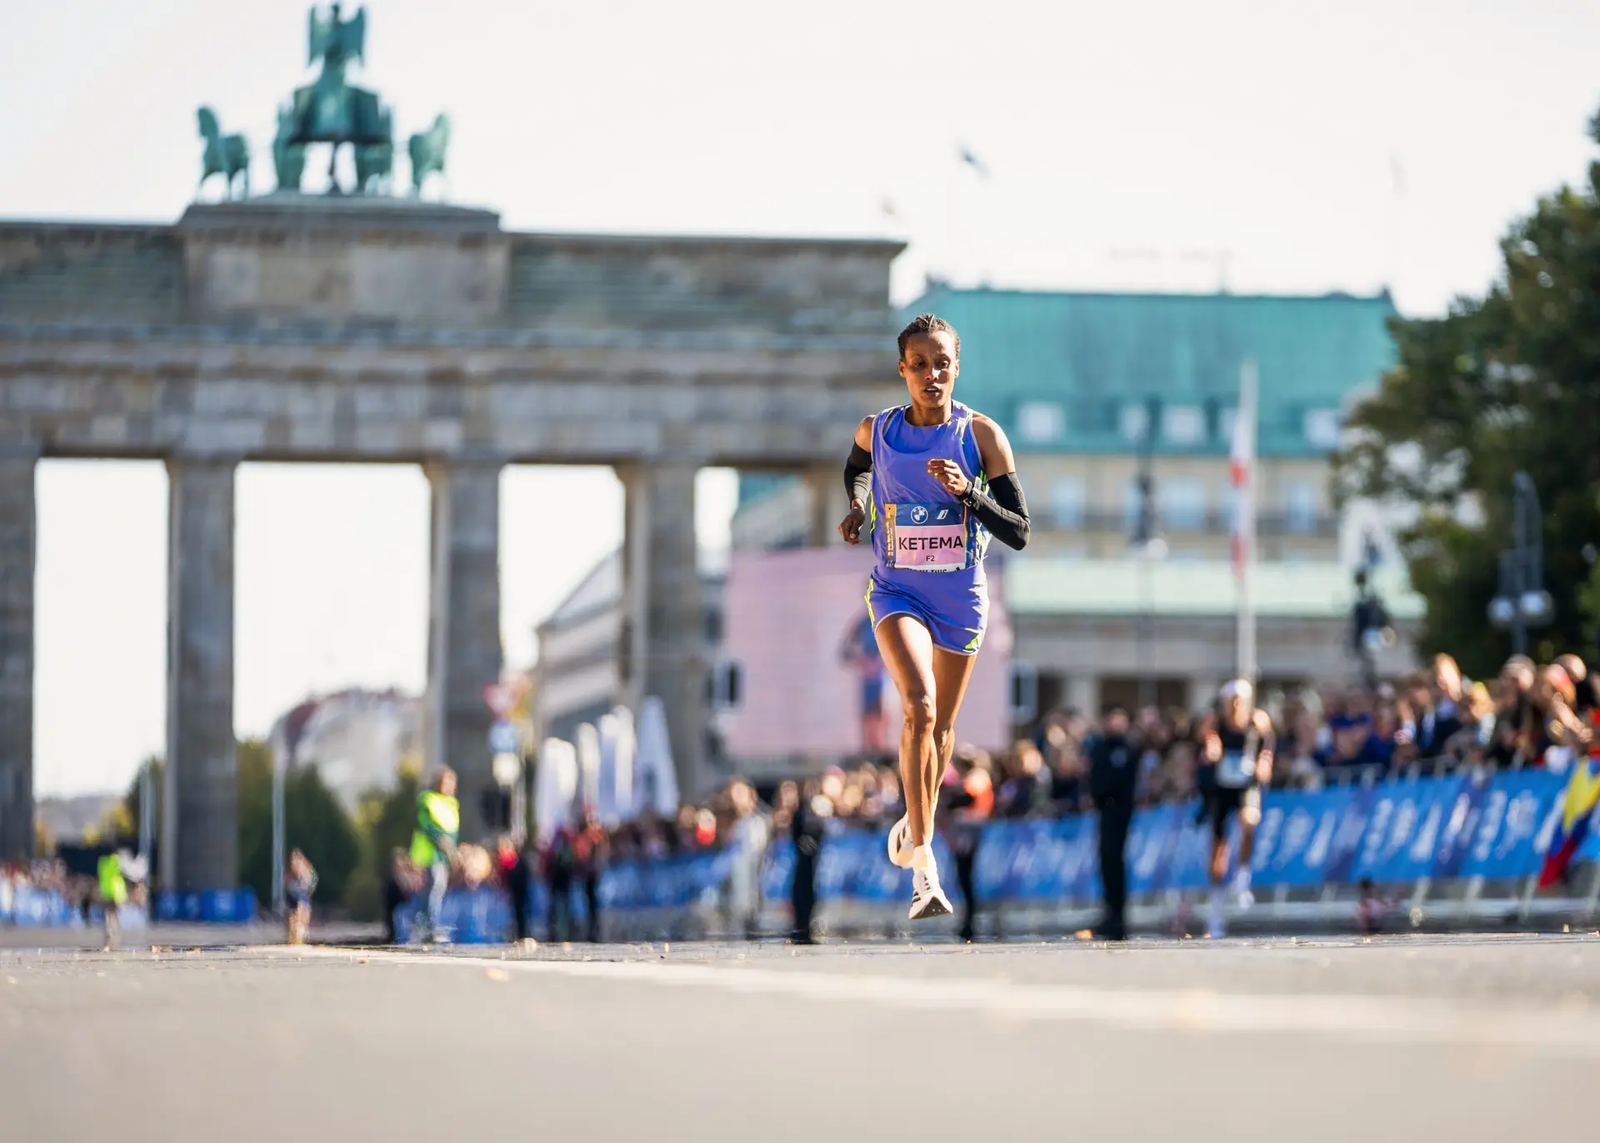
[1496, 828]
[38, 908]
[471, 916]
[209, 906]
[483, 915]
[1444, 829]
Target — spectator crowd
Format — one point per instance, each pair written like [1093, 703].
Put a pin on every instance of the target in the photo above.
[1530, 715]
[1435, 720]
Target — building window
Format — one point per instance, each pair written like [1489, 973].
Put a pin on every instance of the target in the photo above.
[1228, 498]
[727, 691]
[1183, 504]
[1226, 420]
[1322, 428]
[1066, 501]
[1133, 420]
[1183, 424]
[1132, 503]
[1040, 422]
[1300, 507]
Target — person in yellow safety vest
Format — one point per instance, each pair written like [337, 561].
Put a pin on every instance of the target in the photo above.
[113, 895]
[433, 849]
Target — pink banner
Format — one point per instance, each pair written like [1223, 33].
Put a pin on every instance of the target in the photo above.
[811, 682]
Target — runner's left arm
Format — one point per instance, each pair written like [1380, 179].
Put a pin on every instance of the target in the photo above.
[1002, 509]
[1269, 744]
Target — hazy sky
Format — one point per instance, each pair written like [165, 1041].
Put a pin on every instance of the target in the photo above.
[1155, 145]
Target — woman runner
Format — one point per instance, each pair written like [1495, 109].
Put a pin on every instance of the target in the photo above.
[936, 479]
[1238, 741]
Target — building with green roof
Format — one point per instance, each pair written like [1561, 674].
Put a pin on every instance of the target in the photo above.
[1072, 372]
[1077, 380]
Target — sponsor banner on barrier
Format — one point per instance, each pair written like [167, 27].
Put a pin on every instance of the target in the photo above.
[1515, 827]
[210, 906]
[1497, 828]
[471, 916]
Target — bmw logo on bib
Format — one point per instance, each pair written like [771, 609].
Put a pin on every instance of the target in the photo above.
[919, 514]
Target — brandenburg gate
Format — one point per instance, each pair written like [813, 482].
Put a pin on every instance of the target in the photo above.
[370, 328]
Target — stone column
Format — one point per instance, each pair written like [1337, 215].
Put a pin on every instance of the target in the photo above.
[825, 504]
[1203, 690]
[200, 843]
[17, 546]
[1083, 694]
[464, 651]
[663, 650]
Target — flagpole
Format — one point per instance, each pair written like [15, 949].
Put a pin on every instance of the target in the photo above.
[1246, 612]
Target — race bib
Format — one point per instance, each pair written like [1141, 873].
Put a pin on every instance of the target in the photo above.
[1236, 770]
[927, 537]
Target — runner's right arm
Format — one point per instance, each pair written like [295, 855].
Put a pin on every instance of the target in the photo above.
[858, 482]
[858, 468]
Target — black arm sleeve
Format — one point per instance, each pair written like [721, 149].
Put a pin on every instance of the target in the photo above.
[858, 474]
[1002, 511]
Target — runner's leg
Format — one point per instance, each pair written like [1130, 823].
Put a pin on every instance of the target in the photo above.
[951, 673]
[908, 653]
[1219, 859]
[1249, 818]
[1222, 810]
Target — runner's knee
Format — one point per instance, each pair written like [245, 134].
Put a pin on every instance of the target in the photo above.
[919, 711]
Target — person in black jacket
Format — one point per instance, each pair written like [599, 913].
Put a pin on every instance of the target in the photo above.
[1113, 776]
[519, 880]
[807, 828]
[397, 890]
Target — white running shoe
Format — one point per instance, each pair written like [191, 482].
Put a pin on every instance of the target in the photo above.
[900, 843]
[1242, 896]
[1216, 919]
[927, 899]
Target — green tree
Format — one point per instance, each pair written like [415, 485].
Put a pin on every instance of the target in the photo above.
[314, 822]
[1589, 598]
[384, 820]
[122, 822]
[1504, 383]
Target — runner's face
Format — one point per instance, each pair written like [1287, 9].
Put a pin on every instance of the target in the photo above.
[929, 368]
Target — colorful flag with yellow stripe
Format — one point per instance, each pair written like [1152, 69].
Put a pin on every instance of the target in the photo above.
[1583, 793]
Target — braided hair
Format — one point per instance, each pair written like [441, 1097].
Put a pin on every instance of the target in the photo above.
[927, 323]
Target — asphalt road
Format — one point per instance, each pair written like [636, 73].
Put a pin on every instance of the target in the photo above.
[1417, 1038]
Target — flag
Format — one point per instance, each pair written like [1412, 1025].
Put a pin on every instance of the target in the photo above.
[968, 158]
[1241, 469]
[1583, 793]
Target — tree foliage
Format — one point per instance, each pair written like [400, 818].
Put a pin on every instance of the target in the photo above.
[384, 821]
[123, 821]
[1504, 383]
[314, 822]
[350, 856]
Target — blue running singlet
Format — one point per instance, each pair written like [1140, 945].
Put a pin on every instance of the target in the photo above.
[930, 549]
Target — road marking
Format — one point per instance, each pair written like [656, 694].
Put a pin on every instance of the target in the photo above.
[1563, 1031]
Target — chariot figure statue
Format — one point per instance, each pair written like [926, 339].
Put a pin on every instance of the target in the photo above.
[330, 109]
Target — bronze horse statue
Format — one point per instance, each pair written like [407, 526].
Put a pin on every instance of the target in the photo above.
[427, 149]
[225, 155]
[288, 159]
[375, 161]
